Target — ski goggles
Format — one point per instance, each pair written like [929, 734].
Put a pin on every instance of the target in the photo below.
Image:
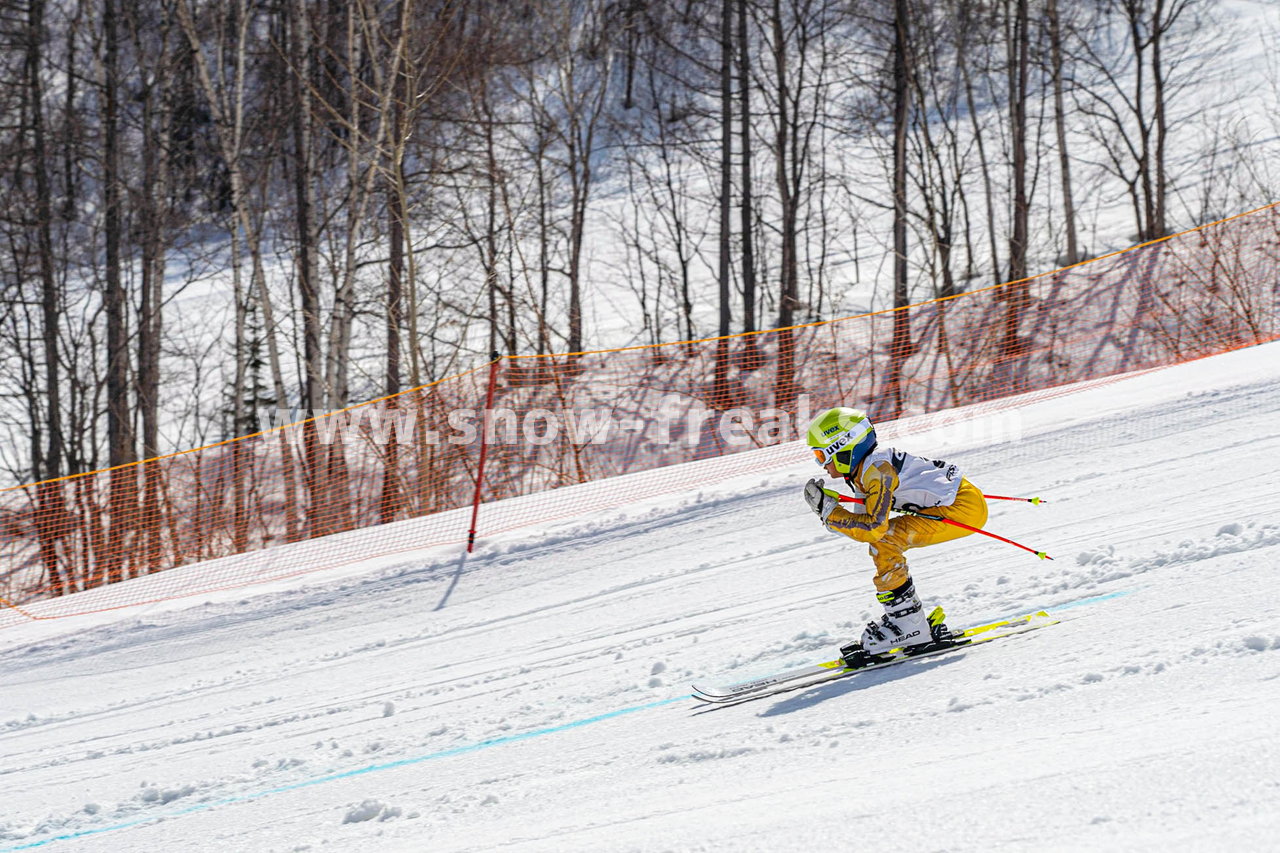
[844, 457]
[841, 450]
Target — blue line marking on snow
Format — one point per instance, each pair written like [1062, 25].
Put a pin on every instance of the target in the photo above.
[348, 774]
[406, 762]
[1091, 600]
[1080, 602]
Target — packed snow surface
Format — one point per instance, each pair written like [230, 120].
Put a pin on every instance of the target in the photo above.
[535, 695]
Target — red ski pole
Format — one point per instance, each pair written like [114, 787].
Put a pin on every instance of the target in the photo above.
[1041, 554]
[1036, 501]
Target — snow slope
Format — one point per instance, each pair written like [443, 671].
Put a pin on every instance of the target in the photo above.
[534, 696]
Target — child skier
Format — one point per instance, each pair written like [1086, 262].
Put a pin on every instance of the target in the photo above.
[844, 442]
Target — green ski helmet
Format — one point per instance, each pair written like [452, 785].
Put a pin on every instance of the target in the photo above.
[843, 435]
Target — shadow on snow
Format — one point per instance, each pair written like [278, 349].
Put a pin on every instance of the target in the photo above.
[807, 698]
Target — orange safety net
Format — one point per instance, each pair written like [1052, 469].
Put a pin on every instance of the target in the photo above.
[213, 518]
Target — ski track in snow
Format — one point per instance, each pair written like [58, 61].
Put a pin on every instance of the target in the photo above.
[544, 706]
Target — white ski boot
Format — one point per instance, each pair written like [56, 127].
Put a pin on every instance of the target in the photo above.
[903, 626]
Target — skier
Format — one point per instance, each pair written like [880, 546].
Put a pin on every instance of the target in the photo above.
[844, 442]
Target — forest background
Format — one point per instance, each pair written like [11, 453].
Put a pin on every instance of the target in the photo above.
[211, 210]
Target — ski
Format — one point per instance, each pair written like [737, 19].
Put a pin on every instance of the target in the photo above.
[793, 679]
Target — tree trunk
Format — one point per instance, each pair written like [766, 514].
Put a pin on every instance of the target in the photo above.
[785, 390]
[390, 503]
[490, 251]
[343, 308]
[751, 353]
[964, 60]
[1060, 125]
[239, 519]
[50, 508]
[544, 248]
[1018, 71]
[157, 142]
[300, 164]
[720, 391]
[1144, 191]
[120, 443]
[1158, 227]
[1016, 296]
[581, 187]
[900, 348]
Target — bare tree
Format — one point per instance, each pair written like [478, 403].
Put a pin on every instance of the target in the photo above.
[154, 203]
[581, 85]
[746, 229]
[794, 88]
[297, 49]
[226, 98]
[1016, 296]
[1018, 45]
[939, 151]
[120, 436]
[1057, 68]
[970, 52]
[1131, 92]
[46, 461]
[900, 348]
[724, 270]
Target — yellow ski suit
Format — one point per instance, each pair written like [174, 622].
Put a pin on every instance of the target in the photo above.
[889, 537]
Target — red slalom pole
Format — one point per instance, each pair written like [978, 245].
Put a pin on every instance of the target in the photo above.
[1041, 554]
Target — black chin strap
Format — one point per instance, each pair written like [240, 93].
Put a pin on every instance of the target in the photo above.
[853, 469]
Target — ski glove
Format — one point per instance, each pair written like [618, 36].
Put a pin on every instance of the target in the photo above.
[822, 501]
[880, 481]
